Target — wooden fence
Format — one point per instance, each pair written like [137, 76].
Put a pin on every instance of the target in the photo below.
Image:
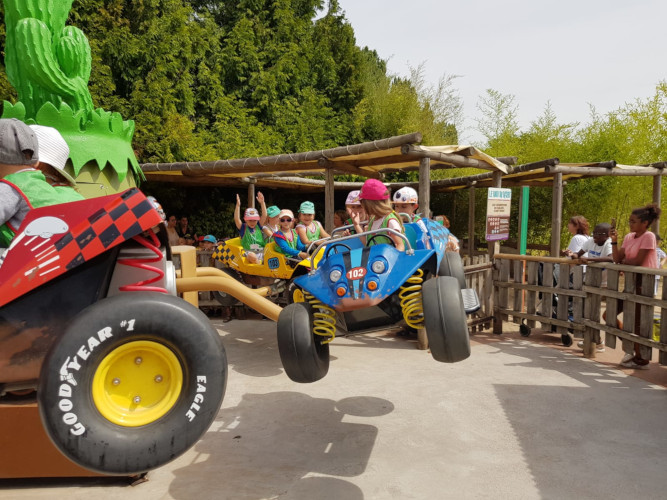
[478, 273]
[524, 288]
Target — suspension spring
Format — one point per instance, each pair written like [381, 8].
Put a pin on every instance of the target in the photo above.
[411, 300]
[142, 286]
[324, 322]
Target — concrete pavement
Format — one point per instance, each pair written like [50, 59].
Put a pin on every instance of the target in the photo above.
[518, 419]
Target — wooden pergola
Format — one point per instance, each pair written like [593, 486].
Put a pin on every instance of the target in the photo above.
[314, 171]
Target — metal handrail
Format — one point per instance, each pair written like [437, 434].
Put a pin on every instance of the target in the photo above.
[408, 249]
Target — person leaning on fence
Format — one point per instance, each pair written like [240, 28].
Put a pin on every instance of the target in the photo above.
[638, 249]
[597, 249]
[577, 226]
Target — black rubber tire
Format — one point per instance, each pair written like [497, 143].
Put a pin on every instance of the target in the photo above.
[445, 320]
[223, 298]
[566, 339]
[452, 265]
[66, 403]
[524, 330]
[304, 357]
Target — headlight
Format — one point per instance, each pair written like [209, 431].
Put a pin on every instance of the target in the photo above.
[379, 266]
[335, 275]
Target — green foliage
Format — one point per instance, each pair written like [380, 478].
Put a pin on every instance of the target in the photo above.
[633, 134]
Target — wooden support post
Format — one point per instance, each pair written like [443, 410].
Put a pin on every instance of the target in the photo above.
[425, 187]
[531, 295]
[611, 308]
[251, 195]
[646, 315]
[657, 197]
[471, 221]
[547, 297]
[556, 214]
[329, 200]
[517, 296]
[562, 311]
[592, 311]
[494, 247]
[629, 311]
[577, 302]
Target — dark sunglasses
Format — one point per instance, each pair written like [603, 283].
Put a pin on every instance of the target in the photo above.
[285, 219]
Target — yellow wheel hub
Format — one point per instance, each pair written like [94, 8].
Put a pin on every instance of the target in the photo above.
[297, 295]
[137, 383]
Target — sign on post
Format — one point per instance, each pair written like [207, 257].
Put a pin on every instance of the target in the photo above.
[498, 214]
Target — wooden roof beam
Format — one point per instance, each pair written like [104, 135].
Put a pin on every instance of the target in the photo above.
[347, 168]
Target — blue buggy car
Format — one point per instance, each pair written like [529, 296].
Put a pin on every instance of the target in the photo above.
[359, 288]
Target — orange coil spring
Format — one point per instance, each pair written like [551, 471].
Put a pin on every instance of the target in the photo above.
[141, 286]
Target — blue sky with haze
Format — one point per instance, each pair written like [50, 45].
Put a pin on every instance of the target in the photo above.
[569, 53]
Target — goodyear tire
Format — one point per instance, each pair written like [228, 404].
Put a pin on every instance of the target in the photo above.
[134, 382]
[304, 357]
[451, 265]
[445, 320]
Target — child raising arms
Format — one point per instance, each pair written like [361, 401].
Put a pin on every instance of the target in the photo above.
[308, 228]
[252, 238]
[374, 198]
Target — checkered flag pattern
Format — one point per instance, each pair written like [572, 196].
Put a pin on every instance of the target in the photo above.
[123, 218]
[223, 253]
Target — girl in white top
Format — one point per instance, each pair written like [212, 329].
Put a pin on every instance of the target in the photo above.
[577, 226]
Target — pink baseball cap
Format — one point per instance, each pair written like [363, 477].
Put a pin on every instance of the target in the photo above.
[374, 190]
[251, 214]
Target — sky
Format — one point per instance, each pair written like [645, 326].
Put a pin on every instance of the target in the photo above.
[568, 53]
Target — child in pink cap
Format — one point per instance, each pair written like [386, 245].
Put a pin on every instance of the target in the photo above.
[374, 198]
[252, 238]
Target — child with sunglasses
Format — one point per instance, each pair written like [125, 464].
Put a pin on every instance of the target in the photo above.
[287, 239]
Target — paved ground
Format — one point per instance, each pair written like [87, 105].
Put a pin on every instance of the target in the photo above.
[519, 419]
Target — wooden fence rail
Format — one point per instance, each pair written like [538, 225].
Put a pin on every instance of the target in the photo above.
[629, 290]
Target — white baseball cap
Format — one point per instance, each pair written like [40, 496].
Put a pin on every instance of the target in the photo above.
[406, 195]
[53, 149]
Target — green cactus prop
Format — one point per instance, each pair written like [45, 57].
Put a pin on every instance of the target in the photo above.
[49, 65]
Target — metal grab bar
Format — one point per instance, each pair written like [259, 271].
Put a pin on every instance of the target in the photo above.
[408, 248]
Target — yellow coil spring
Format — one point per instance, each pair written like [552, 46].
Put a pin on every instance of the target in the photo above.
[411, 300]
[324, 323]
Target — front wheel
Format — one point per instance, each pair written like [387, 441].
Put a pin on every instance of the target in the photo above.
[445, 319]
[303, 355]
[134, 382]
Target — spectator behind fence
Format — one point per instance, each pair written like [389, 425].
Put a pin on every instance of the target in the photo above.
[638, 249]
[577, 226]
[597, 249]
[172, 234]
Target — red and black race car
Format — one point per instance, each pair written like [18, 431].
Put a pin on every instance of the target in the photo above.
[127, 375]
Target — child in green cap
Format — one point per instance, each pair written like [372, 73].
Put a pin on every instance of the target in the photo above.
[308, 228]
[272, 223]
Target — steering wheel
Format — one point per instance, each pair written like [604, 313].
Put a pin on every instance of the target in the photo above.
[334, 246]
[391, 242]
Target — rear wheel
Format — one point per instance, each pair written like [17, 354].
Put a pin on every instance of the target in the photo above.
[304, 357]
[445, 320]
[452, 265]
[133, 383]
